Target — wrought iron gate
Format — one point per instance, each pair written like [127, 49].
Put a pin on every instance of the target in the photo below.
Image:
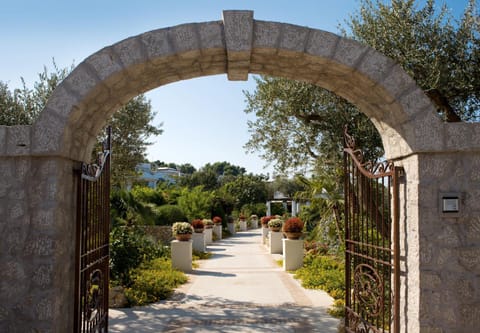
[371, 243]
[92, 248]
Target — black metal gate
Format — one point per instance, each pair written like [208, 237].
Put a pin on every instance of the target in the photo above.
[371, 243]
[92, 248]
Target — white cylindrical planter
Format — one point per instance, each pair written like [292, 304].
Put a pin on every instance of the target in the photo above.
[243, 225]
[182, 255]
[231, 228]
[292, 254]
[217, 230]
[208, 235]
[264, 235]
[198, 239]
[276, 241]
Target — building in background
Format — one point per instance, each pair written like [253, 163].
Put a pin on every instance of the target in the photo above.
[160, 174]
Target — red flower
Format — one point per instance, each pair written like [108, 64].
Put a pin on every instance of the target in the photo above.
[217, 219]
[293, 224]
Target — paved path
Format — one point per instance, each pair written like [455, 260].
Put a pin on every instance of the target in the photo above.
[240, 289]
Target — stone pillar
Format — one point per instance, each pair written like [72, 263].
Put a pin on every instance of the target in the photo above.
[182, 255]
[243, 225]
[294, 208]
[264, 235]
[231, 228]
[217, 230]
[208, 235]
[275, 238]
[37, 243]
[292, 254]
[198, 240]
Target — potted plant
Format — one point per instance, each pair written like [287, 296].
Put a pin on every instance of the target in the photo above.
[208, 223]
[242, 222]
[198, 225]
[182, 231]
[254, 221]
[293, 228]
[275, 224]
[217, 220]
[264, 220]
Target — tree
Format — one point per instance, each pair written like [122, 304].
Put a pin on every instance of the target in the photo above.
[247, 189]
[131, 128]
[299, 124]
[22, 106]
[440, 53]
[196, 203]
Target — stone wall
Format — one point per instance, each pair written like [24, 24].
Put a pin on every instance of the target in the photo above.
[159, 233]
[440, 254]
[37, 252]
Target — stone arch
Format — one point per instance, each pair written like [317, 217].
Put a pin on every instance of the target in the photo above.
[239, 45]
[37, 192]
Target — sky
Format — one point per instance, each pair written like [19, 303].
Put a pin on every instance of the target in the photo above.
[203, 119]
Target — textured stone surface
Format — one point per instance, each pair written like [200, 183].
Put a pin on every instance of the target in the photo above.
[439, 255]
[238, 27]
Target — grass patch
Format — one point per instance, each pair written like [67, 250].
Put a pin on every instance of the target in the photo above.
[279, 262]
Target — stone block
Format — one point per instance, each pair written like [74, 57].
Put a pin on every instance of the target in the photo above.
[266, 35]
[104, 63]
[182, 255]
[322, 44]
[157, 43]
[243, 225]
[275, 242]
[348, 52]
[217, 230]
[198, 241]
[18, 140]
[293, 38]
[375, 66]
[47, 133]
[292, 254]
[238, 28]
[185, 39]
[231, 228]
[211, 35]
[208, 235]
[130, 50]
[264, 235]
[398, 83]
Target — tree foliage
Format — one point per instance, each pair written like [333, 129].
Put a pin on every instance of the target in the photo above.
[131, 128]
[299, 124]
[196, 203]
[22, 106]
[441, 53]
[247, 189]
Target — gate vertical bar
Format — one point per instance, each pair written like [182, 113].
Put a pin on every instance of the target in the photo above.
[92, 243]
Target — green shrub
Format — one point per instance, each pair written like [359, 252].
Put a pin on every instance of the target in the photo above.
[148, 195]
[128, 249]
[153, 281]
[168, 214]
[259, 209]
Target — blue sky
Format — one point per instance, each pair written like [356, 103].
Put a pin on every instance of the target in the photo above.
[203, 118]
